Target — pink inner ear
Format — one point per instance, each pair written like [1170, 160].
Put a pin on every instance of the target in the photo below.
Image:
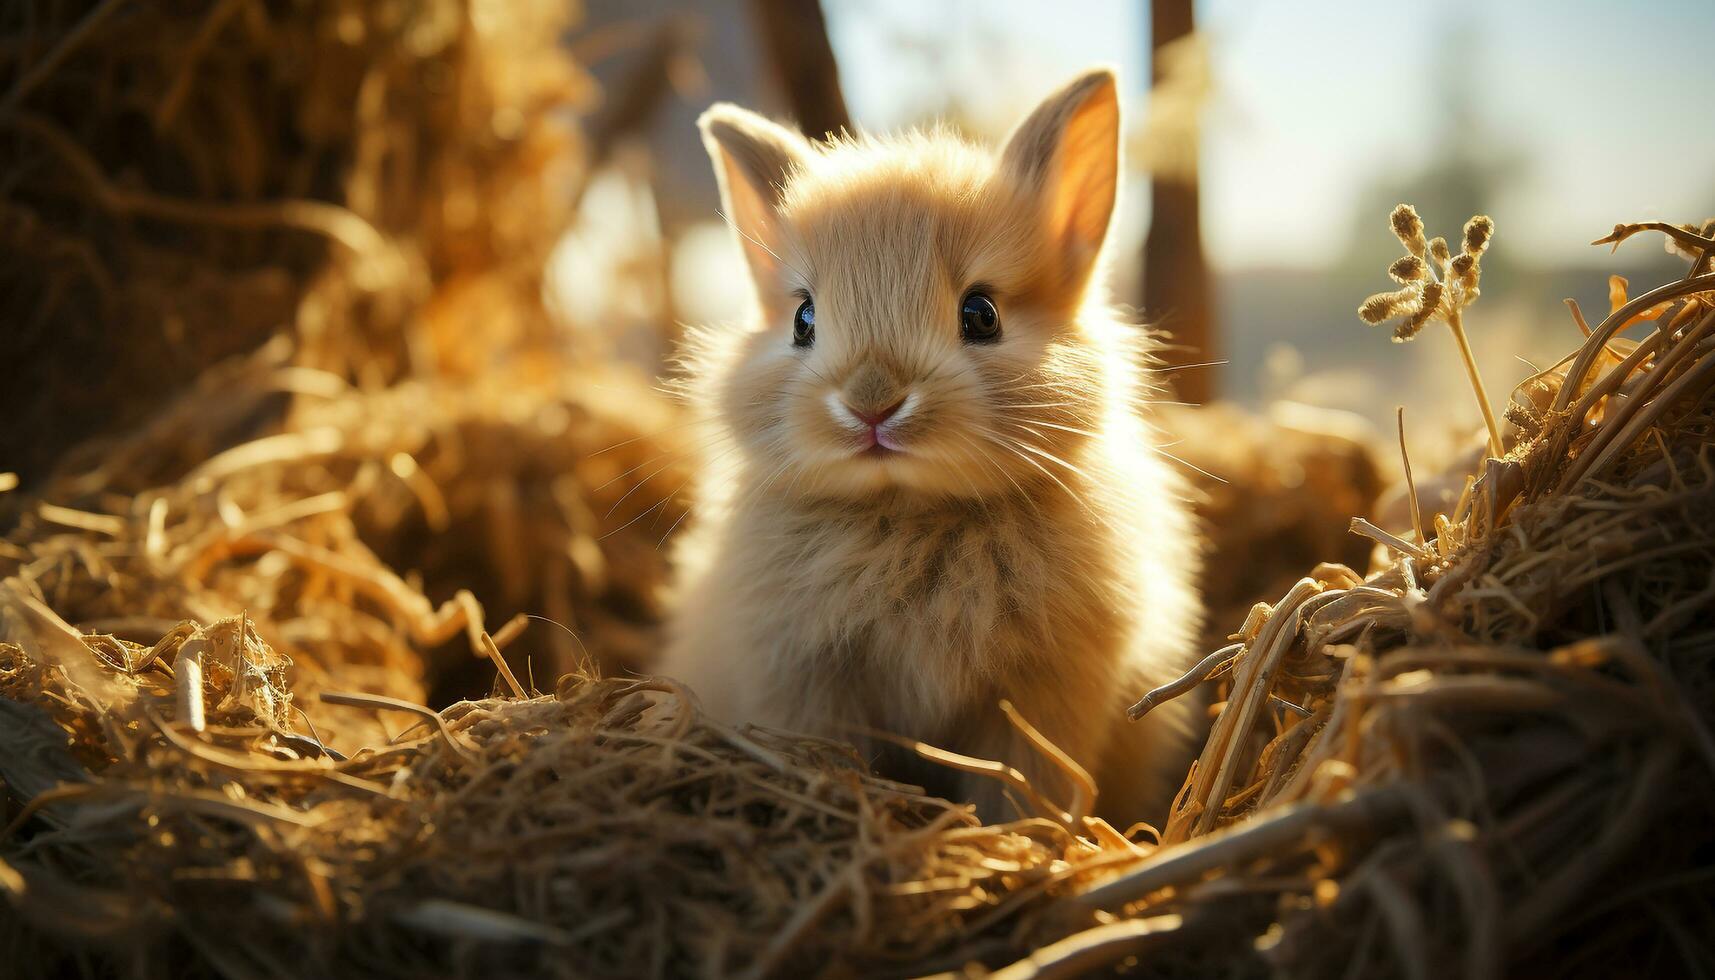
[1085, 179]
[752, 218]
[754, 158]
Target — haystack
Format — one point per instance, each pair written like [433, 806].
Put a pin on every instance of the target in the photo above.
[327, 223]
[184, 181]
[219, 623]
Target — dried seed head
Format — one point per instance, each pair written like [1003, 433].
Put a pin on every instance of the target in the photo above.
[1429, 304]
[1409, 227]
[1375, 309]
[1478, 231]
[1408, 269]
[1431, 296]
[1406, 330]
[1438, 250]
[1464, 269]
[1383, 306]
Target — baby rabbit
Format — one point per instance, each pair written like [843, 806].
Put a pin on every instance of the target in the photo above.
[931, 483]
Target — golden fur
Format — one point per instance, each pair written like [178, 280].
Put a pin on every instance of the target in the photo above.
[1027, 541]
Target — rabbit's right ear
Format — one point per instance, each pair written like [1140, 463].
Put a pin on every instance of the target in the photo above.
[1066, 154]
[753, 159]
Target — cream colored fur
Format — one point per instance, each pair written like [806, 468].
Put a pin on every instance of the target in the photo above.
[1028, 541]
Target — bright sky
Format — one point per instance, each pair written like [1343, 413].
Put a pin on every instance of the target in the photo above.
[1610, 101]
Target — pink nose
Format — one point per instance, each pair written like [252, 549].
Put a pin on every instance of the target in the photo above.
[873, 419]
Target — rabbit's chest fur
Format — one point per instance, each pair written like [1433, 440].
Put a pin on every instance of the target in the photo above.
[897, 618]
[916, 620]
[926, 609]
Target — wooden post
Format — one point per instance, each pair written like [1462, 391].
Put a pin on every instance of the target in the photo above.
[1176, 293]
[795, 35]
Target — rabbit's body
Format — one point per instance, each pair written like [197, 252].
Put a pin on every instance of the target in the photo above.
[906, 519]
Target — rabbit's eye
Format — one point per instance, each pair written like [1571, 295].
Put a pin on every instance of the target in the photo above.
[979, 321]
[804, 324]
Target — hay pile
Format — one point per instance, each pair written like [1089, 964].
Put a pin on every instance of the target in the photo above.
[348, 536]
[185, 180]
[581, 834]
[1496, 750]
[1273, 495]
[325, 222]
[219, 624]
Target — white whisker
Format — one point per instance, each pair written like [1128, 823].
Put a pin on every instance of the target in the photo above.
[1016, 447]
[1051, 425]
[1191, 466]
[704, 446]
[648, 435]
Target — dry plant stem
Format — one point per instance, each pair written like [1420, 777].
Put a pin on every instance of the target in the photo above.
[377, 702]
[98, 523]
[1455, 323]
[187, 680]
[1394, 541]
[173, 100]
[1689, 239]
[1609, 382]
[1232, 846]
[806, 918]
[1617, 320]
[1082, 953]
[474, 922]
[1216, 768]
[1006, 774]
[1583, 328]
[1635, 414]
[1083, 786]
[1694, 380]
[244, 763]
[1410, 484]
[1185, 683]
[1324, 743]
[493, 651]
[1289, 746]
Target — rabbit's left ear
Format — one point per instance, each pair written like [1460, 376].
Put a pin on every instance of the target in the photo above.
[1066, 153]
[753, 158]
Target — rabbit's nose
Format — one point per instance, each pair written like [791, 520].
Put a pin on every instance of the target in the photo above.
[872, 394]
[874, 418]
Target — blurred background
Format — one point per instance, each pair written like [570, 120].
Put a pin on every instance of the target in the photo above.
[1263, 161]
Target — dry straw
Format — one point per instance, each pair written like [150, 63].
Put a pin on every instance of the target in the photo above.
[183, 180]
[1492, 751]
